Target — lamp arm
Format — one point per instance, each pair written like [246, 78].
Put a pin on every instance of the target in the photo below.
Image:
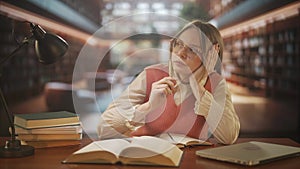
[9, 116]
[25, 41]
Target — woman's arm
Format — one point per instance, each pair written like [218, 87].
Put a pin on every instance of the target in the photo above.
[218, 110]
[121, 116]
[216, 106]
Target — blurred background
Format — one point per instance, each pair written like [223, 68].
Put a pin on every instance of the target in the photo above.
[261, 58]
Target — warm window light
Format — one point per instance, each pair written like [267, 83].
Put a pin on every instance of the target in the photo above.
[49, 48]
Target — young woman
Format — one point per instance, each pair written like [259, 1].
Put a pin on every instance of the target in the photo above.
[186, 96]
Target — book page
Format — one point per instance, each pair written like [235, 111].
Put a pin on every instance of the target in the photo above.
[154, 144]
[103, 151]
[182, 139]
[114, 146]
[149, 150]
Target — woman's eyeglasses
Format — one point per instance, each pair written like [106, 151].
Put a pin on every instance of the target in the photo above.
[178, 45]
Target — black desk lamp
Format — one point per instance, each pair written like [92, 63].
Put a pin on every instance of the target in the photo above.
[49, 48]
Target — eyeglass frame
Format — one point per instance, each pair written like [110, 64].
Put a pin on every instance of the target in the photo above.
[194, 50]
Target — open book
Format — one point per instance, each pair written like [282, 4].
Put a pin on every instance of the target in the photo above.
[181, 140]
[144, 150]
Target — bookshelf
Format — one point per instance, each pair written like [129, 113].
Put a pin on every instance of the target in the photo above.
[266, 58]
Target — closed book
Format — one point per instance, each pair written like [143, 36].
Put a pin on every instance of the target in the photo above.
[46, 119]
[56, 143]
[43, 137]
[50, 130]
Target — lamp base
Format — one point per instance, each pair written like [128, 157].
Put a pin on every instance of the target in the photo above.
[14, 149]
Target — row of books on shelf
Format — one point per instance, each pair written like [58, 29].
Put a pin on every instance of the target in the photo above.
[48, 129]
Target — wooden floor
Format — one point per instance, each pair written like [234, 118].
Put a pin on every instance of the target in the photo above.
[259, 116]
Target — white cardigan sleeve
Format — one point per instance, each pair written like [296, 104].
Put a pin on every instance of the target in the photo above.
[118, 119]
[218, 110]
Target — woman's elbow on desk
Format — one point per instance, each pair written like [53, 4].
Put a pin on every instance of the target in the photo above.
[229, 135]
[110, 127]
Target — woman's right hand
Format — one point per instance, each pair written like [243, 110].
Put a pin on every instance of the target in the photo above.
[159, 92]
[157, 120]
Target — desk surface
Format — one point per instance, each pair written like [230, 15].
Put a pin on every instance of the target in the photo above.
[50, 158]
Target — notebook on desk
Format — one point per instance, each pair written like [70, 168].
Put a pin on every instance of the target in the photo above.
[250, 153]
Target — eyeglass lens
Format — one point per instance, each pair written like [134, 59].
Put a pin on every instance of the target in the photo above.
[177, 45]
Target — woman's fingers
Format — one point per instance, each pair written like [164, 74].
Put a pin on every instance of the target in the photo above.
[167, 84]
[162, 88]
[159, 91]
[211, 60]
[168, 91]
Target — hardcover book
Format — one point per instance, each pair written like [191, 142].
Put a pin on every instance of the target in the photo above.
[49, 137]
[144, 150]
[75, 129]
[46, 119]
[55, 143]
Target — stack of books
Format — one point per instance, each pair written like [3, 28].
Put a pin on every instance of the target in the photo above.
[48, 129]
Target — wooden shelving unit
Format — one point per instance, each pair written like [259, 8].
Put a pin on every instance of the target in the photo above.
[267, 58]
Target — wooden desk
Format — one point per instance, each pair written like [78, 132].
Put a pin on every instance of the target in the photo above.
[50, 158]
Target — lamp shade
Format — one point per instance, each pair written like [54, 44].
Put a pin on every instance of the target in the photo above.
[49, 47]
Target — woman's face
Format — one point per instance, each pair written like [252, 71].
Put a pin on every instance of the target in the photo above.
[186, 51]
